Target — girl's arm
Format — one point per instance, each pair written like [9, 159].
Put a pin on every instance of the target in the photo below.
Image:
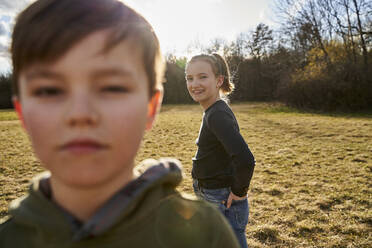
[226, 129]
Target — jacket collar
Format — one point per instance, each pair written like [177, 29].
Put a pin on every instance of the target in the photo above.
[152, 173]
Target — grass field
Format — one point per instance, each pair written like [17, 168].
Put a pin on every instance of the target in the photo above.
[312, 185]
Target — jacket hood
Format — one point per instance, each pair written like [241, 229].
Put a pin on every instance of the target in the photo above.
[156, 180]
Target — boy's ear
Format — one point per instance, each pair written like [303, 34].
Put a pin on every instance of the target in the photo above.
[153, 108]
[18, 108]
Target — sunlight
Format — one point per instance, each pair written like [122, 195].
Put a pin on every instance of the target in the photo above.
[179, 23]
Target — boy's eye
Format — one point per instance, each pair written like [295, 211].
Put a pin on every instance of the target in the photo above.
[114, 89]
[203, 76]
[189, 79]
[47, 91]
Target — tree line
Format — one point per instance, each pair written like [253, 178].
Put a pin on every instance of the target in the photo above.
[318, 57]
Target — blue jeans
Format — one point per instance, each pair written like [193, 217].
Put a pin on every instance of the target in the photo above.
[237, 214]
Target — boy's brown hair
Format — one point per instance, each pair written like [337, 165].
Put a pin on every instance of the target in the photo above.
[48, 28]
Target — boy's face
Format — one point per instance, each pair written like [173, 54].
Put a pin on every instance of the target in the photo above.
[87, 112]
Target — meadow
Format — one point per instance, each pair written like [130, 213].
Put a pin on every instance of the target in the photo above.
[312, 181]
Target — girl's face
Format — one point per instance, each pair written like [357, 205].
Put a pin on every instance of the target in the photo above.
[202, 83]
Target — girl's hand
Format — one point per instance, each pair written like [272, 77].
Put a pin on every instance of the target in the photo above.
[234, 197]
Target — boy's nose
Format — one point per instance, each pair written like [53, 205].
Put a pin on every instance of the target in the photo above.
[82, 112]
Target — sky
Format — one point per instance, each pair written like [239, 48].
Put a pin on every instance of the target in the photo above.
[178, 23]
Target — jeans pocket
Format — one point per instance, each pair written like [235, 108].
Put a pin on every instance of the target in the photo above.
[239, 212]
[217, 197]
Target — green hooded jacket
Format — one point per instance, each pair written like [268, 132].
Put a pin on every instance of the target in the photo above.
[147, 212]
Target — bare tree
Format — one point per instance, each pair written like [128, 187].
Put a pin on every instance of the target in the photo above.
[358, 4]
[307, 21]
[259, 41]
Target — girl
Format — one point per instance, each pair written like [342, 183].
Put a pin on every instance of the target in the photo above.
[223, 165]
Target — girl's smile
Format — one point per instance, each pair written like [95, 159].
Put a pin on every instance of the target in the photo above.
[197, 91]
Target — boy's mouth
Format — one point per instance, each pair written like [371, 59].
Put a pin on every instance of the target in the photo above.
[83, 146]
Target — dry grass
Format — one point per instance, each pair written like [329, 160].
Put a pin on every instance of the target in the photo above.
[312, 182]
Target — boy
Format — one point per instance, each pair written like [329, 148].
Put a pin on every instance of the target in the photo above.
[87, 85]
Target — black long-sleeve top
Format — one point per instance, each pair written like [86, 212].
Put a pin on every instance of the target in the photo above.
[223, 158]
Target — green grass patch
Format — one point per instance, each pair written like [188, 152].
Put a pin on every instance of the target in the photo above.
[8, 115]
[280, 108]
